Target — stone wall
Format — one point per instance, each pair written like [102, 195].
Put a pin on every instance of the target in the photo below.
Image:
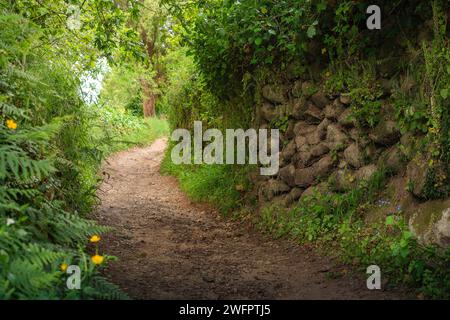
[324, 149]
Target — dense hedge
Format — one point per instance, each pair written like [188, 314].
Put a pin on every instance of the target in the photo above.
[230, 38]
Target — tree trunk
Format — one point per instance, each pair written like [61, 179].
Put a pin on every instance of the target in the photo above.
[149, 100]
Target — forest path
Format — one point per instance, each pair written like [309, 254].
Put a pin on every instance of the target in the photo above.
[171, 248]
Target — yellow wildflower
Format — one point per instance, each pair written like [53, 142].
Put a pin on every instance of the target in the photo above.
[95, 238]
[63, 267]
[433, 130]
[97, 259]
[263, 10]
[324, 50]
[11, 124]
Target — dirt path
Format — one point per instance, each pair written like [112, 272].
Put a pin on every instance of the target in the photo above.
[170, 248]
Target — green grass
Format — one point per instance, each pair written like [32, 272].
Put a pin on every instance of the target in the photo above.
[214, 184]
[144, 132]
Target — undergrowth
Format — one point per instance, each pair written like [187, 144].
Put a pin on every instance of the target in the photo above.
[335, 223]
[120, 130]
[222, 186]
[51, 146]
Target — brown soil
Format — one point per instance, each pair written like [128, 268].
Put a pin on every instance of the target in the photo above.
[171, 248]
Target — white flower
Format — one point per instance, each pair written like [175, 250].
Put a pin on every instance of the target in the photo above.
[10, 221]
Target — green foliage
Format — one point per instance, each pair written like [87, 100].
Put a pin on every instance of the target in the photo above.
[281, 123]
[134, 84]
[437, 80]
[359, 81]
[436, 183]
[122, 87]
[186, 98]
[48, 159]
[228, 38]
[104, 25]
[393, 248]
[411, 113]
[117, 130]
[218, 185]
[336, 223]
[343, 40]
[422, 102]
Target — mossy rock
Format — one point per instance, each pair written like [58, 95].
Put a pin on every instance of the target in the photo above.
[430, 223]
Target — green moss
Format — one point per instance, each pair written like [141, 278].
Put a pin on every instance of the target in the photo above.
[426, 215]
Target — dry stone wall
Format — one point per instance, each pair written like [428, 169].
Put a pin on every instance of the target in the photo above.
[321, 144]
[325, 150]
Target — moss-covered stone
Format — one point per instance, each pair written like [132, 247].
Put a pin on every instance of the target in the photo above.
[429, 222]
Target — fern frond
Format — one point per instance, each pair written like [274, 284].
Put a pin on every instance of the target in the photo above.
[16, 164]
[105, 290]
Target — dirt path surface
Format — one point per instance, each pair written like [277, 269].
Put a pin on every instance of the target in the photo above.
[170, 248]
